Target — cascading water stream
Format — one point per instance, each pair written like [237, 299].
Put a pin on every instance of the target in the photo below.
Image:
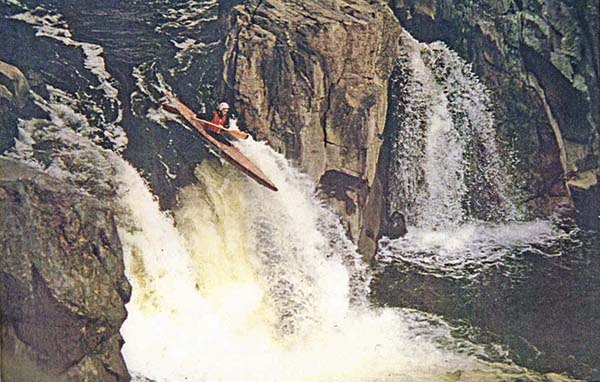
[446, 174]
[246, 284]
[439, 204]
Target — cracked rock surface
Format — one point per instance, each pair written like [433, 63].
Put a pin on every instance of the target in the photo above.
[311, 78]
[62, 283]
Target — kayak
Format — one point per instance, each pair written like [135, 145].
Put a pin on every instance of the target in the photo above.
[227, 151]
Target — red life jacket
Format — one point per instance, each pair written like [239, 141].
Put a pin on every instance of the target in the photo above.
[219, 119]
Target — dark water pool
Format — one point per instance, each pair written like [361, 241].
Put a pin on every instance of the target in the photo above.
[542, 302]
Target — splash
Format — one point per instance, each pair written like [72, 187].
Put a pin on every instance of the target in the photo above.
[242, 283]
[239, 284]
[247, 284]
[467, 250]
[65, 145]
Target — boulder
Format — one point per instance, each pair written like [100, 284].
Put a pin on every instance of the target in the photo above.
[62, 282]
[585, 190]
[14, 87]
[311, 78]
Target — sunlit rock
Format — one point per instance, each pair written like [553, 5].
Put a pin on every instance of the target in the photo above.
[14, 91]
[311, 78]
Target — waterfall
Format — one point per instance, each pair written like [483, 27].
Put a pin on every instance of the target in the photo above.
[447, 174]
[445, 164]
[243, 283]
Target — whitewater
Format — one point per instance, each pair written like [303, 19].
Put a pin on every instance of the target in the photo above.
[448, 177]
[242, 283]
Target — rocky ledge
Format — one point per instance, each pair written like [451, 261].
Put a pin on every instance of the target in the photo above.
[14, 94]
[311, 78]
[62, 283]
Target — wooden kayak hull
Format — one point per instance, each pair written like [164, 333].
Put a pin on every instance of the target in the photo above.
[227, 150]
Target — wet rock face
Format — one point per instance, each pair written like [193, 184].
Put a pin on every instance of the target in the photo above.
[311, 78]
[540, 61]
[14, 93]
[62, 283]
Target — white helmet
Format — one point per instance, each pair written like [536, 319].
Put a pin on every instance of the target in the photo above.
[223, 105]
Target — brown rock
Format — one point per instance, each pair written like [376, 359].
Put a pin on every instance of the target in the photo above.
[14, 93]
[311, 78]
[15, 88]
[62, 288]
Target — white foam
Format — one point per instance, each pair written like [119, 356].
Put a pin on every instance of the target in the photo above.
[189, 15]
[447, 172]
[465, 250]
[255, 285]
[168, 170]
[188, 49]
[69, 152]
[248, 284]
[13, 2]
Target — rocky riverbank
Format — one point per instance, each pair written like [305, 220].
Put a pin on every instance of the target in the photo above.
[62, 282]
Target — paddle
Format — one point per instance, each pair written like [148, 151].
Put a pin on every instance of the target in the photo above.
[234, 133]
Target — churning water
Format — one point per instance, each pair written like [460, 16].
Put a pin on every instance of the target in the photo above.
[247, 284]
[471, 254]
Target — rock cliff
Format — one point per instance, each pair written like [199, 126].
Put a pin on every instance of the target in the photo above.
[62, 283]
[311, 78]
[540, 59]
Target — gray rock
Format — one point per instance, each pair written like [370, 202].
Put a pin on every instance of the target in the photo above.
[586, 194]
[62, 283]
[311, 78]
[540, 59]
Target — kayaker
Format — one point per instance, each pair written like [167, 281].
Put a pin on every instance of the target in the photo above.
[220, 117]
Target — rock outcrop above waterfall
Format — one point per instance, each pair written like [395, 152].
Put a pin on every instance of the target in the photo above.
[540, 59]
[14, 92]
[311, 78]
[62, 283]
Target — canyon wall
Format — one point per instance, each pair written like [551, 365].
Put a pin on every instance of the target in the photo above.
[62, 282]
